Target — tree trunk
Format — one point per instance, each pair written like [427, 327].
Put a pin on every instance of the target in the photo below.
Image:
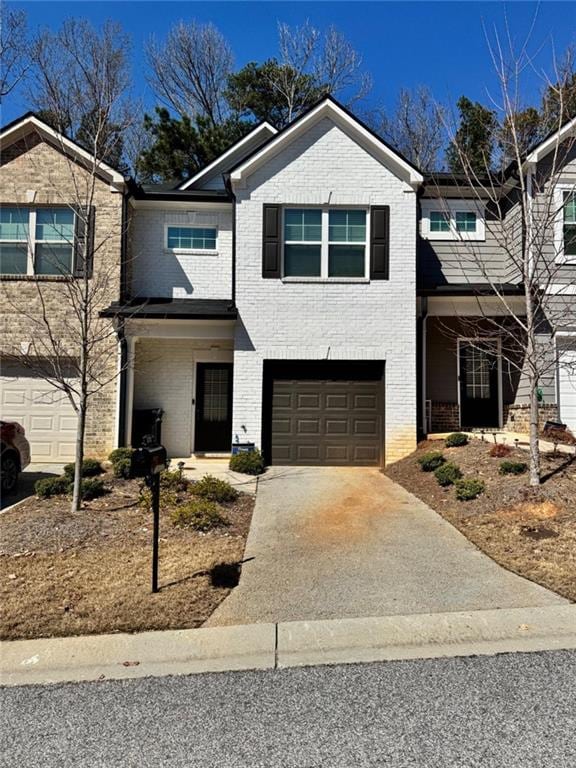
[534, 433]
[76, 493]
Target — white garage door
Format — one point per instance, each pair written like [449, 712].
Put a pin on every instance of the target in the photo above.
[568, 389]
[45, 413]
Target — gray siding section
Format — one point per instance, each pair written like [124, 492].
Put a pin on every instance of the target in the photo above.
[449, 262]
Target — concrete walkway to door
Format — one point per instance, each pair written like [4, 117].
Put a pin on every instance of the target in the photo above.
[329, 543]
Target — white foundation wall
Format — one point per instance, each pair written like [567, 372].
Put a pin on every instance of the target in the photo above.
[165, 377]
[159, 272]
[327, 320]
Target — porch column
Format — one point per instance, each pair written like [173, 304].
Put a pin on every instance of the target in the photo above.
[129, 403]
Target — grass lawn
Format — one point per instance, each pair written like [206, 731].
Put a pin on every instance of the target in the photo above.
[90, 572]
[529, 531]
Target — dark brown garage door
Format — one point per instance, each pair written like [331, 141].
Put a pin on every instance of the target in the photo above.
[326, 422]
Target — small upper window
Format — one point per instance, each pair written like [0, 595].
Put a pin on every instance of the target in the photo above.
[439, 221]
[191, 238]
[465, 221]
[569, 231]
[450, 219]
[36, 241]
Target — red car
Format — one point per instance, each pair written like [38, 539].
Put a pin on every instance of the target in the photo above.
[14, 456]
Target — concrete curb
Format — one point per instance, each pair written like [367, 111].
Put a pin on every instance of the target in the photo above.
[289, 644]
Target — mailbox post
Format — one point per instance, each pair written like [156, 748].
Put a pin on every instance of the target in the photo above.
[149, 463]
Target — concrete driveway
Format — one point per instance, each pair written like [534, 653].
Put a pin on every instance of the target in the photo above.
[328, 543]
[27, 481]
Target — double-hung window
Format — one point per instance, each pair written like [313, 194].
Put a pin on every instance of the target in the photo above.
[325, 243]
[36, 241]
[191, 238]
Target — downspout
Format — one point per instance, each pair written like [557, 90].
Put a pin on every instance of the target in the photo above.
[424, 361]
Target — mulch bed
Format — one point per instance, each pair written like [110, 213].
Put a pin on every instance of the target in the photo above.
[64, 573]
[529, 531]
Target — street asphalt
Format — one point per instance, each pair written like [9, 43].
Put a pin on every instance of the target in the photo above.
[508, 711]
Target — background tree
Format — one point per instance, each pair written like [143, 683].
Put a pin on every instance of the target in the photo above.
[474, 138]
[189, 71]
[415, 128]
[253, 92]
[180, 147]
[521, 131]
[13, 48]
[79, 71]
[523, 218]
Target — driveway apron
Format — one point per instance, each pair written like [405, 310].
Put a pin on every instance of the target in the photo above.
[327, 543]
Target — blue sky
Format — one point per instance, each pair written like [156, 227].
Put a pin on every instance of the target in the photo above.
[439, 44]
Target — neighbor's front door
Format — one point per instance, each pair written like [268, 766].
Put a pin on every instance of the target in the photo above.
[213, 407]
[479, 406]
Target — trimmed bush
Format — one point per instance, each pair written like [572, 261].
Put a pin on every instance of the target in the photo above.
[513, 467]
[500, 450]
[431, 460]
[447, 474]
[91, 488]
[121, 460]
[211, 488]
[198, 514]
[456, 440]
[90, 468]
[469, 488]
[250, 463]
[52, 486]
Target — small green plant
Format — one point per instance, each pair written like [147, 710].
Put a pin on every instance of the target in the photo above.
[431, 460]
[447, 474]
[198, 514]
[213, 489]
[90, 468]
[121, 460]
[456, 440]
[52, 486]
[174, 480]
[250, 463]
[469, 488]
[513, 467]
[500, 450]
[92, 488]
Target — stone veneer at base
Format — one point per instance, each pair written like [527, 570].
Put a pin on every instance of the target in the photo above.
[517, 417]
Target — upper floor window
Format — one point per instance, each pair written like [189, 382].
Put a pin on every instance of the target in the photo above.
[324, 242]
[36, 241]
[191, 238]
[452, 220]
[569, 228]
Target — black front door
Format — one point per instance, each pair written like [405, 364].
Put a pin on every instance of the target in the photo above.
[213, 407]
[478, 385]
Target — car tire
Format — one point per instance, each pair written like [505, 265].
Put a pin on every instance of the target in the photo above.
[9, 473]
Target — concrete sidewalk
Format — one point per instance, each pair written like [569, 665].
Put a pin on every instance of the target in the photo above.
[289, 644]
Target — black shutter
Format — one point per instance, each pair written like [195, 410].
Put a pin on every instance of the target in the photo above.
[83, 241]
[271, 241]
[379, 242]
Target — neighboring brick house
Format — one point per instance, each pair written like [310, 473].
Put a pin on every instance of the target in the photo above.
[306, 294]
[42, 175]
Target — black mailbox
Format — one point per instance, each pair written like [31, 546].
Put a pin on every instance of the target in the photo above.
[148, 461]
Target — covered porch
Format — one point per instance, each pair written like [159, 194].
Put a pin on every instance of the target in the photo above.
[179, 358]
[470, 377]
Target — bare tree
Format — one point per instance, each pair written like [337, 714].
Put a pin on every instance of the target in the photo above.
[13, 49]
[322, 62]
[529, 212]
[189, 70]
[415, 128]
[72, 347]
